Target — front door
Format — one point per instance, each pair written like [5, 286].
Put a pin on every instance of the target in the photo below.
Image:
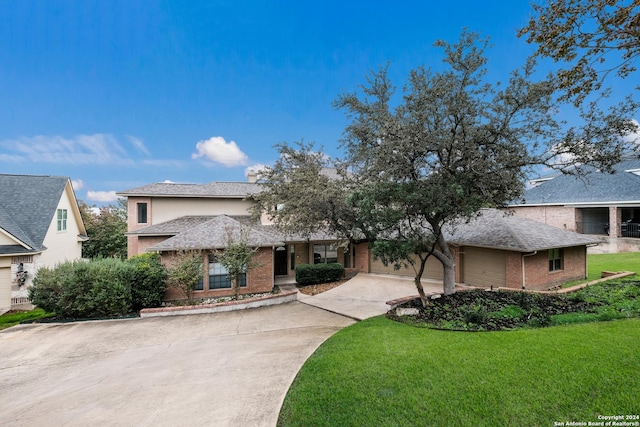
[280, 266]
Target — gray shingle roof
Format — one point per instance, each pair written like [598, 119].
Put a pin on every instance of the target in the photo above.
[213, 234]
[174, 226]
[596, 187]
[28, 204]
[211, 189]
[499, 230]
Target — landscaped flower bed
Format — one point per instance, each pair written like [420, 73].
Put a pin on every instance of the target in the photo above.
[479, 310]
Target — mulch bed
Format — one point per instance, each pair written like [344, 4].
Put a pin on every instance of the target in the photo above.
[480, 310]
[322, 287]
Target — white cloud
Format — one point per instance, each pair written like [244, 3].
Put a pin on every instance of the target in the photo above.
[257, 168]
[634, 137]
[77, 184]
[82, 149]
[168, 181]
[137, 142]
[218, 150]
[102, 196]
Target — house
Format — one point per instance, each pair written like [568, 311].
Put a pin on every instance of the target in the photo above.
[599, 204]
[40, 226]
[493, 250]
[501, 250]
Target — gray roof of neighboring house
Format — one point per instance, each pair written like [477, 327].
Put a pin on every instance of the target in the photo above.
[499, 230]
[212, 189]
[596, 187]
[213, 234]
[27, 206]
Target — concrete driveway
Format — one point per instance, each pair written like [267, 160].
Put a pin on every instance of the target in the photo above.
[223, 369]
[366, 295]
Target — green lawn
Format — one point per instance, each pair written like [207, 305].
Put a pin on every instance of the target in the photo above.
[383, 373]
[10, 319]
[596, 263]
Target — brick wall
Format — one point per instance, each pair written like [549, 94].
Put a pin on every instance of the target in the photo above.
[259, 279]
[362, 257]
[539, 276]
[557, 216]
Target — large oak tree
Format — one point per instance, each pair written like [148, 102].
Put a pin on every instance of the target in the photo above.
[416, 165]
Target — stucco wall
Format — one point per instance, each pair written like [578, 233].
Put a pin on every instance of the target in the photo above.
[165, 209]
[62, 245]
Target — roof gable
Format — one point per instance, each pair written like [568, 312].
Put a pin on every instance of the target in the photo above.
[29, 204]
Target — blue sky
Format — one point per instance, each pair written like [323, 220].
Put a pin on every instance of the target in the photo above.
[117, 94]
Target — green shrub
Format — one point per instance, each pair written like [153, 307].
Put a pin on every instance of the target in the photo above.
[307, 274]
[100, 288]
[148, 281]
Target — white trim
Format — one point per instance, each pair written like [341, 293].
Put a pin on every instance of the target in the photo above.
[15, 239]
[628, 203]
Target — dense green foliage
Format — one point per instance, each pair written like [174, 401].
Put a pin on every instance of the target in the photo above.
[383, 373]
[104, 287]
[311, 274]
[148, 281]
[101, 288]
[105, 230]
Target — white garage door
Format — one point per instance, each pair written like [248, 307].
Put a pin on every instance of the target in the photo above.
[5, 289]
[484, 267]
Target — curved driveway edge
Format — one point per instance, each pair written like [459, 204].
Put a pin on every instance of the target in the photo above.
[223, 369]
[366, 295]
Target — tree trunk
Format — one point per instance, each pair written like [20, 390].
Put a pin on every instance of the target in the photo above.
[448, 266]
[418, 281]
[235, 287]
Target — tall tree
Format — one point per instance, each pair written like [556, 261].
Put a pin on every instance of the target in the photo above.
[593, 37]
[105, 229]
[416, 165]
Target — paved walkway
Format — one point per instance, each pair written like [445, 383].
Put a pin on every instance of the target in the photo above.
[366, 295]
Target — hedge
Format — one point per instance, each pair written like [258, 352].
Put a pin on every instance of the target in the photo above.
[310, 274]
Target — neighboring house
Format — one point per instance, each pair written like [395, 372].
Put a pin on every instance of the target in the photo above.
[40, 226]
[600, 204]
[166, 218]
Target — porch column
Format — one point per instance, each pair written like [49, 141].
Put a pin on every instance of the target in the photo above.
[614, 222]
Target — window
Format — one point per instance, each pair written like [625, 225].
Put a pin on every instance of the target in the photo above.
[62, 219]
[142, 213]
[324, 254]
[555, 259]
[292, 251]
[218, 278]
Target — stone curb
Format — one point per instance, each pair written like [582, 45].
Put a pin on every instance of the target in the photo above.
[281, 298]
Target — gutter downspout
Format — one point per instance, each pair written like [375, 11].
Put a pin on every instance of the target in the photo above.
[523, 273]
